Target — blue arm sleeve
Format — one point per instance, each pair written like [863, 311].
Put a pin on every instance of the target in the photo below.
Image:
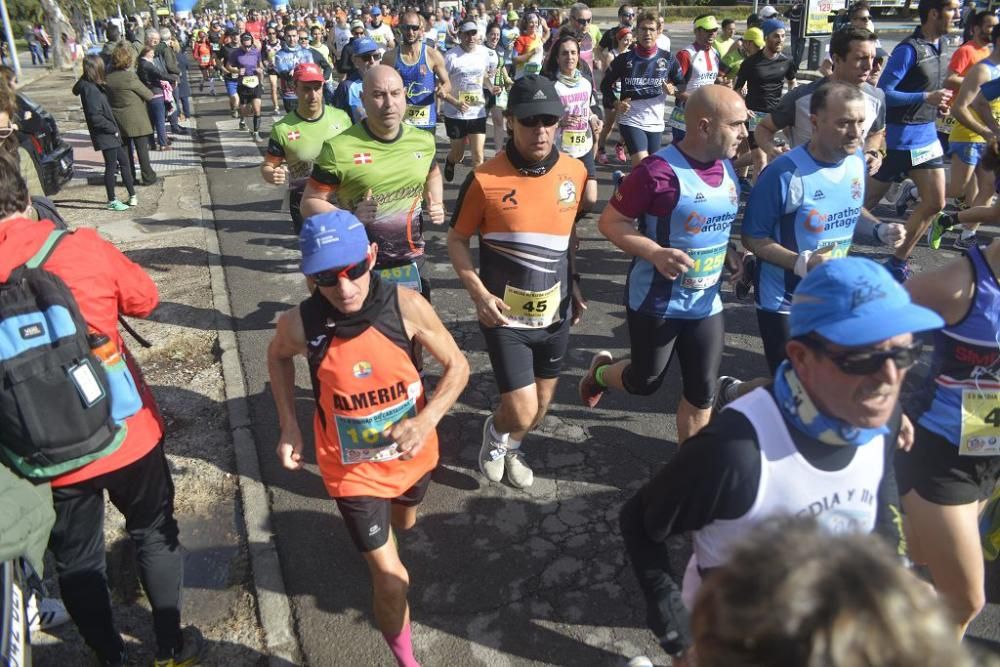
[902, 59]
[767, 200]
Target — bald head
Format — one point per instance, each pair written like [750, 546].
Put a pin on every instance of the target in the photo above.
[716, 119]
[384, 99]
[380, 75]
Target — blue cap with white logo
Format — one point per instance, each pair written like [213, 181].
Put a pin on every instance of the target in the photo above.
[853, 302]
[332, 240]
[363, 46]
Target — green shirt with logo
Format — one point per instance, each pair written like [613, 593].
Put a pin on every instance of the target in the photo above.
[297, 142]
[395, 171]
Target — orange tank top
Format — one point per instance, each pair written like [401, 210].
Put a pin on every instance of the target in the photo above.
[362, 385]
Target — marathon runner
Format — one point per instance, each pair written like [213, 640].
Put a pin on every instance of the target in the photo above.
[380, 32]
[626, 19]
[464, 107]
[296, 140]
[579, 123]
[954, 463]
[347, 97]
[528, 49]
[523, 204]
[699, 66]
[229, 46]
[422, 70]
[382, 169]
[374, 427]
[913, 83]
[968, 147]
[764, 75]
[853, 51]
[647, 75]
[285, 60]
[581, 21]
[205, 57]
[610, 94]
[818, 442]
[805, 206]
[686, 198]
[246, 64]
[270, 48]
[497, 103]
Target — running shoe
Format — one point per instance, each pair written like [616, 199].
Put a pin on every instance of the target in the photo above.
[639, 661]
[243, 125]
[963, 243]
[940, 224]
[590, 391]
[907, 195]
[449, 171]
[744, 286]
[192, 646]
[45, 613]
[724, 391]
[518, 473]
[602, 158]
[133, 200]
[620, 154]
[899, 268]
[492, 454]
[115, 205]
[235, 113]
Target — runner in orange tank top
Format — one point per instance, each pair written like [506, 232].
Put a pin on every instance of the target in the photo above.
[375, 436]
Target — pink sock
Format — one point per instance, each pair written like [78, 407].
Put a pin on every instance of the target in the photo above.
[402, 647]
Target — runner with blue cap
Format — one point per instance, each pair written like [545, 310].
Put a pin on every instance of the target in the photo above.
[374, 427]
[818, 442]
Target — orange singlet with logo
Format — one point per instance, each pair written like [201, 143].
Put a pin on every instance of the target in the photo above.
[362, 386]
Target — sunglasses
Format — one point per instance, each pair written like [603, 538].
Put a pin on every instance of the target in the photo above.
[412, 28]
[867, 362]
[543, 120]
[629, 15]
[331, 277]
[583, 21]
[6, 132]
[371, 57]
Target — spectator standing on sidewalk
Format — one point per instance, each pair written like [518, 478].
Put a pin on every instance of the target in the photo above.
[128, 99]
[104, 132]
[33, 46]
[105, 284]
[153, 78]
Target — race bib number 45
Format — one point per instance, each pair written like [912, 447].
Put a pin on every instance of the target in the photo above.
[980, 423]
[532, 309]
[363, 439]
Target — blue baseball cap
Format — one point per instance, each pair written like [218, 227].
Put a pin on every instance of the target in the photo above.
[332, 240]
[770, 25]
[853, 302]
[364, 46]
[375, 11]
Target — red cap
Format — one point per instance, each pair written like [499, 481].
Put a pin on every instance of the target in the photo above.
[308, 72]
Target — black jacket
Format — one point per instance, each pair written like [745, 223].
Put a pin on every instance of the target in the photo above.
[104, 132]
[151, 75]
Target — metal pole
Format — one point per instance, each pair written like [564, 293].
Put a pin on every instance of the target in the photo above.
[10, 38]
[93, 26]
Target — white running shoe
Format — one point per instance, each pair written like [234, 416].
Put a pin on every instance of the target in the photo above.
[518, 472]
[46, 613]
[491, 454]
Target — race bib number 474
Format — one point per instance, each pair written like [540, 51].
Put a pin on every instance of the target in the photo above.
[980, 423]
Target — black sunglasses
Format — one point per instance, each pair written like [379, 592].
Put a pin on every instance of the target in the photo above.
[583, 21]
[867, 362]
[412, 28]
[371, 57]
[534, 121]
[629, 15]
[331, 277]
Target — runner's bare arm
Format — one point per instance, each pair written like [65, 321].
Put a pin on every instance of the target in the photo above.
[289, 340]
[947, 290]
[620, 230]
[982, 108]
[315, 199]
[425, 327]
[434, 195]
[764, 134]
[489, 308]
[966, 93]
[440, 72]
[773, 252]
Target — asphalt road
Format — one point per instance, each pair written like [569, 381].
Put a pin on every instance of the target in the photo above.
[498, 576]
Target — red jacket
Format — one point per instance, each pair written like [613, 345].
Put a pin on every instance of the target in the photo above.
[104, 283]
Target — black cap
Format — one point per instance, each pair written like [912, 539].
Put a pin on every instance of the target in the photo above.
[534, 95]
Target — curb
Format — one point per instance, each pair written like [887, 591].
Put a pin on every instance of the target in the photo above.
[273, 607]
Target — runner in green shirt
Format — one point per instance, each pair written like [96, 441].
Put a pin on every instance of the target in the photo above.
[296, 140]
[382, 170]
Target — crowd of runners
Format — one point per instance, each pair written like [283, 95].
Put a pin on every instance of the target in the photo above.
[702, 138]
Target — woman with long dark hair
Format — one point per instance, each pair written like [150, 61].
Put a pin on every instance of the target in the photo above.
[104, 132]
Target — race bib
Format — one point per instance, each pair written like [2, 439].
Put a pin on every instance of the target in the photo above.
[574, 140]
[840, 246]
[945, 124]
[707, 268]
[407, 275]
[474, 98]
[676, 119]
[502, 99]
[532, 309]
[362, 439]
[215, 47]
[926, 154]
[299, 169]
[250, 82]
[755, 118]
[980, 423]
[532, 67]
[417, 115]
[205, 59]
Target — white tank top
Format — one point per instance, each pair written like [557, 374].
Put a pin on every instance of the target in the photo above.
[704, 68]
[841, 501]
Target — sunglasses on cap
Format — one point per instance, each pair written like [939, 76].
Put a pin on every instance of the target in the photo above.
[331, 277]
[867, 362]
[534, 121]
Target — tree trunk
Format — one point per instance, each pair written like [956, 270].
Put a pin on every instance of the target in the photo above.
[58, 24]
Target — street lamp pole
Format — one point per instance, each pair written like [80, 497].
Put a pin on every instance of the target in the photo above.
[10, 38]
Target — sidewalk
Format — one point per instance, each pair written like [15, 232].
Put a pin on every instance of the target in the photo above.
[171, 234]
